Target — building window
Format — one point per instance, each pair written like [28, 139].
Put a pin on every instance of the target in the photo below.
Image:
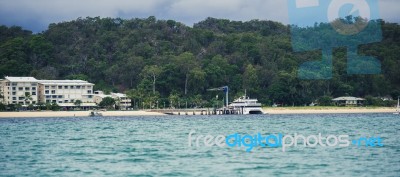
[20, 98]
[65, 87]
[46, 92]
[14, 84]
[53, 87]
[83, 87]
[60, 102]
[14, 98]
[33, 93]
[46, 87]
[27, 88]
[33, 88]
[60, 96]
[14, 88]
[33, 84]
[33, 102]
[72, 87]
[53, 92]
[78, 87]
[20, 88]
[47, 96]
[59, 87]
[54, 96]
[90, 96]
[14, 93]
[89, 92]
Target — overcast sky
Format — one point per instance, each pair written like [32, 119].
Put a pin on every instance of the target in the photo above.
[36, 15]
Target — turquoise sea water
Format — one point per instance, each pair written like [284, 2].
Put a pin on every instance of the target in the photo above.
[158, 146]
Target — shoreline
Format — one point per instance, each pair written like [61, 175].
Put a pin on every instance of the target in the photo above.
[328, 110]
[272, 111]
[34, 114]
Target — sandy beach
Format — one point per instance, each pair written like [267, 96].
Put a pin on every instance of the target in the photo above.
[282, 110]
[75, 113]
[327, 110]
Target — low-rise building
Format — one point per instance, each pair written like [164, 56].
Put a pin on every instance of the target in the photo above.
[122, 102]
[99, 96]
[348, 101]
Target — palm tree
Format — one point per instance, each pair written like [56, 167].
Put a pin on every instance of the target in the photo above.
[1, 95]
[27, 97]
[78, 103]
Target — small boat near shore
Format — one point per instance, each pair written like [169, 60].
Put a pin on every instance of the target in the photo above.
[398, 107]
[95, 114]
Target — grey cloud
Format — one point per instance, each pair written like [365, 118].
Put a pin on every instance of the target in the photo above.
[37, 14]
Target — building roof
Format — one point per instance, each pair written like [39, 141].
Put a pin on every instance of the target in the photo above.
[103, 96]
[120, 95]
[113, 95]
[64, 82]
[21, 79]
[348, 98]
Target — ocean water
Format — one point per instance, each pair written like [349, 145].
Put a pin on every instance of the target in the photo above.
[158, 146]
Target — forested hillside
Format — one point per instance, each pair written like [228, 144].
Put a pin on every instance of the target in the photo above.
[166, 60]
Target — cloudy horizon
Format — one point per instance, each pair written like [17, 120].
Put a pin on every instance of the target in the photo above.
[37, 15]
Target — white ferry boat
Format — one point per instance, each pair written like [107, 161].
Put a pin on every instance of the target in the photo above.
[246, 105]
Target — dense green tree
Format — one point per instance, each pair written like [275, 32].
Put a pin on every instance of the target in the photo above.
[157, 59]
[13, 57]
[325, 101]
[107, 102]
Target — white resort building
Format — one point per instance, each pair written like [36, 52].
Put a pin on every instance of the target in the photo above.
[28, 90]
[66, 92]
[19, 90]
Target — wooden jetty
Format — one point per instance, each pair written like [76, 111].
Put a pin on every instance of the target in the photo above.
[202, 111]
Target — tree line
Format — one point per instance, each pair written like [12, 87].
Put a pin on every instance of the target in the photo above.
[157, 61]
